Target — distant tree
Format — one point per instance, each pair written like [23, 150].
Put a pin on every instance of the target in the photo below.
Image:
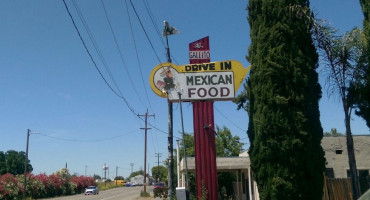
[119, 178]
[96, 177]
[2, 163]
[160, 173]
[13, 162]
[282, 100]
[227, 145]
[140, 172]
[333, 132]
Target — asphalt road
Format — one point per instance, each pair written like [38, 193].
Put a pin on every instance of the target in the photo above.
[122, 193]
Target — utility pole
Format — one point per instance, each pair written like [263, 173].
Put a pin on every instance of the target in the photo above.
[146, 128]
[158, 155]
[25, 163]
[178, 163]
[132, 167]
[116, 174]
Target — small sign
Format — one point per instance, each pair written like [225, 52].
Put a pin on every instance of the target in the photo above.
[199, 51]
[206, 81]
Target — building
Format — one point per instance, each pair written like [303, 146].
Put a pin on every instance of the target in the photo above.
[336, 155]
[336, 165]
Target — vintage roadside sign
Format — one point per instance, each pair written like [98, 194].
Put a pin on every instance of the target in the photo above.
[206, 81]
[199, 51]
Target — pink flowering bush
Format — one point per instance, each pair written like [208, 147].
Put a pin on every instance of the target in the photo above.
[9, 188]
[82, 182]
[42, 185]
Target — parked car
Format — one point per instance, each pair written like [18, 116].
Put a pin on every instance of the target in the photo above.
[91, 190]
[128, 184]
[159, 185]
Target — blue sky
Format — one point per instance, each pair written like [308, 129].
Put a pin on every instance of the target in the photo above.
[49, 84]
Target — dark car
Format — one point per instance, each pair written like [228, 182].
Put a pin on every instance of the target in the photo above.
[159, 185]
[91, 190]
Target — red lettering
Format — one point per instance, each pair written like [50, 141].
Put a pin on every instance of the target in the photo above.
[215, 92]
[204, 92]
[190, 92]
[225, 91]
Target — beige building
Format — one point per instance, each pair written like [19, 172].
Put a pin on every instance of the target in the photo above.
[336, 165]
[336, 155]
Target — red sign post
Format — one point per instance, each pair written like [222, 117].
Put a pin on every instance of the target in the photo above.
[204, 133]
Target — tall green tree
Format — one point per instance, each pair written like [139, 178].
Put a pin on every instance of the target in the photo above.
[362, 98]
[13, 162]
[283, 103]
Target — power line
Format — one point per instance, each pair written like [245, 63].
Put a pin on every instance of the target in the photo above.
[93, 140]
[120, 53]
[229, 119]
[87, 29]
[146, 34]
[97, 68]
[93, 61]
[154, 24]
[137, 55]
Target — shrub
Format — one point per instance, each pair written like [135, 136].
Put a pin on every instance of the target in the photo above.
[9, 188]
[161, 192]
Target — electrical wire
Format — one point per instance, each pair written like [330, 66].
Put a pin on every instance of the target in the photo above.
[154, 24]
[101, 75]
[229, 119]
[96, 47]
[93, 140]
[137, 55]
[120, 53]
[146, 34]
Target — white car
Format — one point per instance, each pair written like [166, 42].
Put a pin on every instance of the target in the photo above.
[91, 190]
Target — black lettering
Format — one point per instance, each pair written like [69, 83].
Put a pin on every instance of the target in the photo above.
[211, 80]
[227, 65]
[198, 80]
[189, 80]
[194, 67]
[204, 79]
[229, 79]
[187, 68]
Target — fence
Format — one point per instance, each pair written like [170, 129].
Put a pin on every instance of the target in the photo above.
[337, 189]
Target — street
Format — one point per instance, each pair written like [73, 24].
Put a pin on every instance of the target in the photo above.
[126, 193]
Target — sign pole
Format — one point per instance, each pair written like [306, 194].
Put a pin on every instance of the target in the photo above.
[170, 122]
[204, 135]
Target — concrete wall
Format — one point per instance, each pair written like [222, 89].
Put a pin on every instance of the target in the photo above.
[339, 162]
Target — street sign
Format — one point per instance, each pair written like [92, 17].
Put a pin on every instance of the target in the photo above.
[206, 81]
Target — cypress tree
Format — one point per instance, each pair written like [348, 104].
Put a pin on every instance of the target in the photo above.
[363, 101]
[283, 103]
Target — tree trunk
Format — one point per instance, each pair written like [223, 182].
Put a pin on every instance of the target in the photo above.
[351, 155]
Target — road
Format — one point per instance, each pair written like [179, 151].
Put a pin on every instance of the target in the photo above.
[122, 193]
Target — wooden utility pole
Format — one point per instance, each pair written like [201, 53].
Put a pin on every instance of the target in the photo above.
[146, 128]
[158, 155]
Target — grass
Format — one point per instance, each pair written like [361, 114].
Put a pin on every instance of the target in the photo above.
[107, 186]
